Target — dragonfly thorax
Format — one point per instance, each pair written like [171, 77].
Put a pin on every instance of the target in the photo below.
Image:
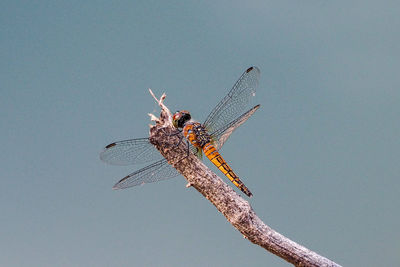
[180, 118]
[196, 134]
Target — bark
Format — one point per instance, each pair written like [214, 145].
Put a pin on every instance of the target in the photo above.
[236, 209]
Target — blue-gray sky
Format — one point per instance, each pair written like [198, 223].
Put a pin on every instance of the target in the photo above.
[321, 156]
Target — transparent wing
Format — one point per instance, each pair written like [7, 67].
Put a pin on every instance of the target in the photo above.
[131, 151]
[159, 170]
[221, 135]
[235, 101]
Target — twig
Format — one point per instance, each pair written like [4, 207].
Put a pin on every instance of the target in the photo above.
[236, 210]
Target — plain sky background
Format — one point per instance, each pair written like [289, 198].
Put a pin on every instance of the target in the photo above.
[321, 156]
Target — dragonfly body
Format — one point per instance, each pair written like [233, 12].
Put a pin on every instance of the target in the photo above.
[198, 136]
[207, 137]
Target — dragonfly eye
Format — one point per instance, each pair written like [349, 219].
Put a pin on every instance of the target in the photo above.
[176, 118]
[184, 118]
[180, 118]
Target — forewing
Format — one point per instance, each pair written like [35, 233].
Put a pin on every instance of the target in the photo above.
[235, 101]
[131, 151]
[157, 171]
[221, 135]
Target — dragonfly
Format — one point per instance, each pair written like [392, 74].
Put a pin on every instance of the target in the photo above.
[207, 137]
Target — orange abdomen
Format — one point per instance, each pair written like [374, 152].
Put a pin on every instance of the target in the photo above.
[198, 136]
[213, 155]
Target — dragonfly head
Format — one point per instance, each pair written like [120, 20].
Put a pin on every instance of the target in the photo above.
[180, 118]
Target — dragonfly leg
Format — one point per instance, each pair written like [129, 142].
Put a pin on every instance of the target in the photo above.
[188, 151]
[188, 148]
[175, 133]
[180, 140]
